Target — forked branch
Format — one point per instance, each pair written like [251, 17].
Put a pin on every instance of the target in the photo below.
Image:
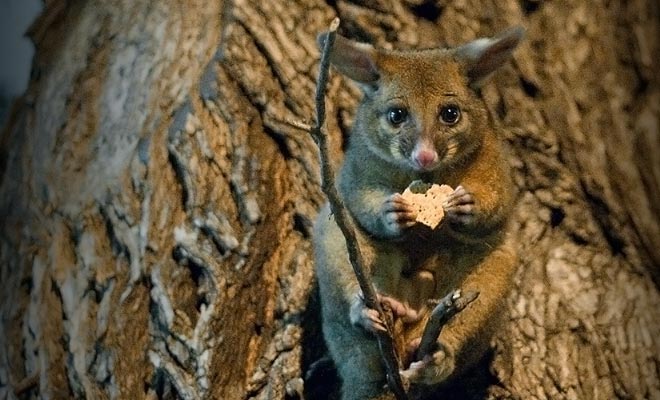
[446, 308]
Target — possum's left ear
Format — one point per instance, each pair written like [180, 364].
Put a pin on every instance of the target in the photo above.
[483, 56]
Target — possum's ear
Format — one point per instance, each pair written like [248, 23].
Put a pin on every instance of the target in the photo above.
[483, 56]
[353, 59]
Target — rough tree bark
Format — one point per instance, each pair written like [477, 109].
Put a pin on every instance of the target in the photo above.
[156, 209]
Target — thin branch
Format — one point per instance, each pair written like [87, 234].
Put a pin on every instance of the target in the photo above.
[385, 341]
[447, 307]
[26, 384]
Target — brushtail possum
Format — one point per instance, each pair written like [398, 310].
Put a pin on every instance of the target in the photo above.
[420, 118]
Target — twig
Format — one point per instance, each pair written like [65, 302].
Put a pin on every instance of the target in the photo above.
[26, 383]
[385, 341]
[447, 307]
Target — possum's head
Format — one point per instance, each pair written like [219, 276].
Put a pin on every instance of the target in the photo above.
[420, 108]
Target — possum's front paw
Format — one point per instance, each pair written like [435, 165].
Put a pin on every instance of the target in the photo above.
[460, 206]
[370, 320]
[365, 317]
[398, 214]
[432, 369]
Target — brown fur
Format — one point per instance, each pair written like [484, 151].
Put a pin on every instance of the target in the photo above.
[407, 262]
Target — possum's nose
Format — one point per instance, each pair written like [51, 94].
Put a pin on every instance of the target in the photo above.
[425, 158]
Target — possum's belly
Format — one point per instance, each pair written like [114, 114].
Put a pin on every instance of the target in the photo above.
[431, 271]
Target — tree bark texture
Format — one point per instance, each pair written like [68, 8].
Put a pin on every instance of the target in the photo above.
[156, 205]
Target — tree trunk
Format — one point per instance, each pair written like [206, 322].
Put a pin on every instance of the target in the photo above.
[156, 205]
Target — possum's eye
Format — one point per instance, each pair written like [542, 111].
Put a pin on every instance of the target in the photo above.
[397, 115]
[450, 114]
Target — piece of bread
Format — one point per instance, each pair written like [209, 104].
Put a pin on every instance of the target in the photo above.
[427, 199]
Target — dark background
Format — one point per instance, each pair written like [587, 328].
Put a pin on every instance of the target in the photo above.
[16, 50]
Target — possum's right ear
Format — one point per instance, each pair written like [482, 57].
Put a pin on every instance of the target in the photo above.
[355, 60]
[483, 56]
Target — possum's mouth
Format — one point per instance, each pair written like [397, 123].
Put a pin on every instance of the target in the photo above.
[424, 168]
